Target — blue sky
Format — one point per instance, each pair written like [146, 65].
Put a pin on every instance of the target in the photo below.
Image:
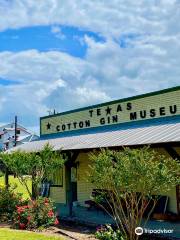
[73, 53]
[47, 38]
[6, 82]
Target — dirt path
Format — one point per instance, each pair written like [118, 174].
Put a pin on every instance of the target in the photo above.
[73, 232]
[5, 225]
[66, 230]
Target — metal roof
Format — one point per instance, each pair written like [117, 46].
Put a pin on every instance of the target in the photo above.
[125, 137]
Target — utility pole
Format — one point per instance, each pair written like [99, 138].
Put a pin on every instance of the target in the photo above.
[15, 129]
[15, 141]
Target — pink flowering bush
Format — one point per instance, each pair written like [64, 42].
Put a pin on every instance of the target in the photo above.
[8, 202]
[36, 214]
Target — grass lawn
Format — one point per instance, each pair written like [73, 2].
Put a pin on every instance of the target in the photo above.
[20, 188]
[8, 234]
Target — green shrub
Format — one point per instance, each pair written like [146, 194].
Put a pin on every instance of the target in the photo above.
[1, 174]
[37, 214]
[8, 202]
[107, 233]
[128, 200]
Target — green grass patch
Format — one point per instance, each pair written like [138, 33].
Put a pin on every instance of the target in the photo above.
[8, 234]
[20, 188]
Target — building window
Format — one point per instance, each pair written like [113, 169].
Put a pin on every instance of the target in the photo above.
[57, 178]
[18, 131]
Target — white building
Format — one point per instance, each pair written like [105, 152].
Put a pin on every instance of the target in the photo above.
[7, 136]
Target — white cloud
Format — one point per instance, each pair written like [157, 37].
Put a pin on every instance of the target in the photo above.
[56, 30]
[2, 101]
[88, 96]
[106, 17]
[56, 80]
[38, 66]
[149, 61]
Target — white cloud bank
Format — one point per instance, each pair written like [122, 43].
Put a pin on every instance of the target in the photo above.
[107, 17]
[54, 79]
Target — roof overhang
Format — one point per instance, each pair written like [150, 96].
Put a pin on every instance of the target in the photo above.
[157, 134]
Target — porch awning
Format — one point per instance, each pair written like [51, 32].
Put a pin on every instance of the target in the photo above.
[164, 133]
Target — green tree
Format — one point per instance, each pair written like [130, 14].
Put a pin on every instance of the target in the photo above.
[131, 177]
[37, 165]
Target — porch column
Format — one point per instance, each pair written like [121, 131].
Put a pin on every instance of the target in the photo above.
[68, 188]
[68, 165]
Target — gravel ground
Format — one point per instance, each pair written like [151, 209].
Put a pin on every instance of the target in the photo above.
[75, 231]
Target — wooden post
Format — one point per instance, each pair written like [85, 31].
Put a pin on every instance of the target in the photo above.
[68, 166]
[6, 178]
[68, 188]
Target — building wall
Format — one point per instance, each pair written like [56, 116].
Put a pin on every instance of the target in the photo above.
[58, 194]
[7, 138]
[84, 188]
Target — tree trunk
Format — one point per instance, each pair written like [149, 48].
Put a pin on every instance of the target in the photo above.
[6, 178]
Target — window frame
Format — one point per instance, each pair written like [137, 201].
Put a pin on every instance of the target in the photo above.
[59, 185]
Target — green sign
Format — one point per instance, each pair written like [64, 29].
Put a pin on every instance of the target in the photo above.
[149, 106]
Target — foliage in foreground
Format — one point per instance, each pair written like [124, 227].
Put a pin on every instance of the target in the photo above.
[108, 233]
[8, 202]
[130, 178]
[26, 214]
[39, 166]
[37, 214]
[7, 234]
